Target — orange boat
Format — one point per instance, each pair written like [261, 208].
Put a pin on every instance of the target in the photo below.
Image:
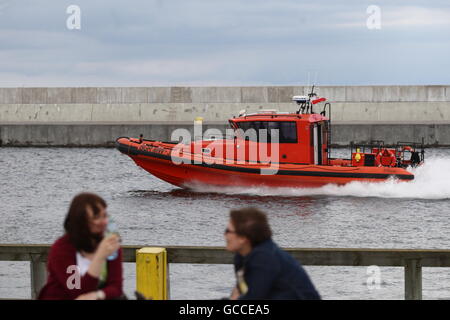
[273, 149]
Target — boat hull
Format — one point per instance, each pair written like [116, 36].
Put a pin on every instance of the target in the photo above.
[161, 163]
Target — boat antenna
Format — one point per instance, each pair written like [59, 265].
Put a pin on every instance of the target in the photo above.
[304, 101]
[311, 95]
[307, 83]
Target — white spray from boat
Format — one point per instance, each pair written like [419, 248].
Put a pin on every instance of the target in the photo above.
[431, 181]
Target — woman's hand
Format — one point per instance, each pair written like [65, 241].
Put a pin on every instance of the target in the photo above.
[234, 294]
[108, 246]
[105, 248]
[87, 296]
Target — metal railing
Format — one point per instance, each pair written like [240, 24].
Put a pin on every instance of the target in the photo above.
[412, 260]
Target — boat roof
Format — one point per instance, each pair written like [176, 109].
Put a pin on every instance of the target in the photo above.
[280, 116]
[275, 115]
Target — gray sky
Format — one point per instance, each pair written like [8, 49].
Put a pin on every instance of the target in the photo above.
[227, 42]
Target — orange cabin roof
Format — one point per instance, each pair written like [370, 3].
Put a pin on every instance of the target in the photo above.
[315, 117]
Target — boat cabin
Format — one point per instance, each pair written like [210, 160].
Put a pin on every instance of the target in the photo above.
[301, 138]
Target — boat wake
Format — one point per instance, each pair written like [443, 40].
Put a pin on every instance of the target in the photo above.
[432, 181]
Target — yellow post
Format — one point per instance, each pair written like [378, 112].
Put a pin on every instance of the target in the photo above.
[198, 120]
[151, 273]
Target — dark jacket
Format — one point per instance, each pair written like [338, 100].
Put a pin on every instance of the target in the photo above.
[271, 273]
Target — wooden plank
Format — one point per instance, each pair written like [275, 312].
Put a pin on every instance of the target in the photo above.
[23, 252]
[307, 256]
[38, 273]
[413, 280]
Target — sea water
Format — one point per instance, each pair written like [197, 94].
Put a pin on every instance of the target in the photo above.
[37, 185]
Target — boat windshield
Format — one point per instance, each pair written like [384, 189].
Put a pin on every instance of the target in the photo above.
[286, 130]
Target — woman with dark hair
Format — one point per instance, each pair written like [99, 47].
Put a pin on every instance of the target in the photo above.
[263, 270]
[80, 264]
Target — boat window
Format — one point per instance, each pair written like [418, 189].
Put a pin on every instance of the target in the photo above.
[273, 136]
[244, 125]
[287, 131]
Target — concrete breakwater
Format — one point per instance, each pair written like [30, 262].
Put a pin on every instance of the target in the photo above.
[97, 116]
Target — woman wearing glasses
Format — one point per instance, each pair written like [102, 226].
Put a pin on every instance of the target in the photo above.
[263, 270]
[82, 264]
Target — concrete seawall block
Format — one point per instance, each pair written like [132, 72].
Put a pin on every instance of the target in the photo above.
[302, 90]
[228, 94]
[159, 94]
[190, 111]
[261, 94]
[273, 94]
[99, 135]
[254, 95]
[134, 95]
[19, 112]
[155, 112]
[172, 111]
[34, 95]
[280, 94]
[59, 135]
[21, 136]
[168, 112]
[386, 94]
[391, 112]
[428, 133]
[155, 132]
[337, 113]
[180, 95]
[447, 93]
[59, 95]
[359, 94]
[358, 112]
[343, 134]
[7, 112]
[393, 133]
[410, 111]
[222, 94]
[84, 95]
[436, 93]
[116, 112]
[204, 94]
[333, 94]
[10, 95]
[79, 135]
[109, 95]
[413, 93]
[442, 134]
[79, 112]
[285, 94]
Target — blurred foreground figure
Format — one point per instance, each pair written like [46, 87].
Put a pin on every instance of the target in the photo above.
[263, 270]
[85, 263]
